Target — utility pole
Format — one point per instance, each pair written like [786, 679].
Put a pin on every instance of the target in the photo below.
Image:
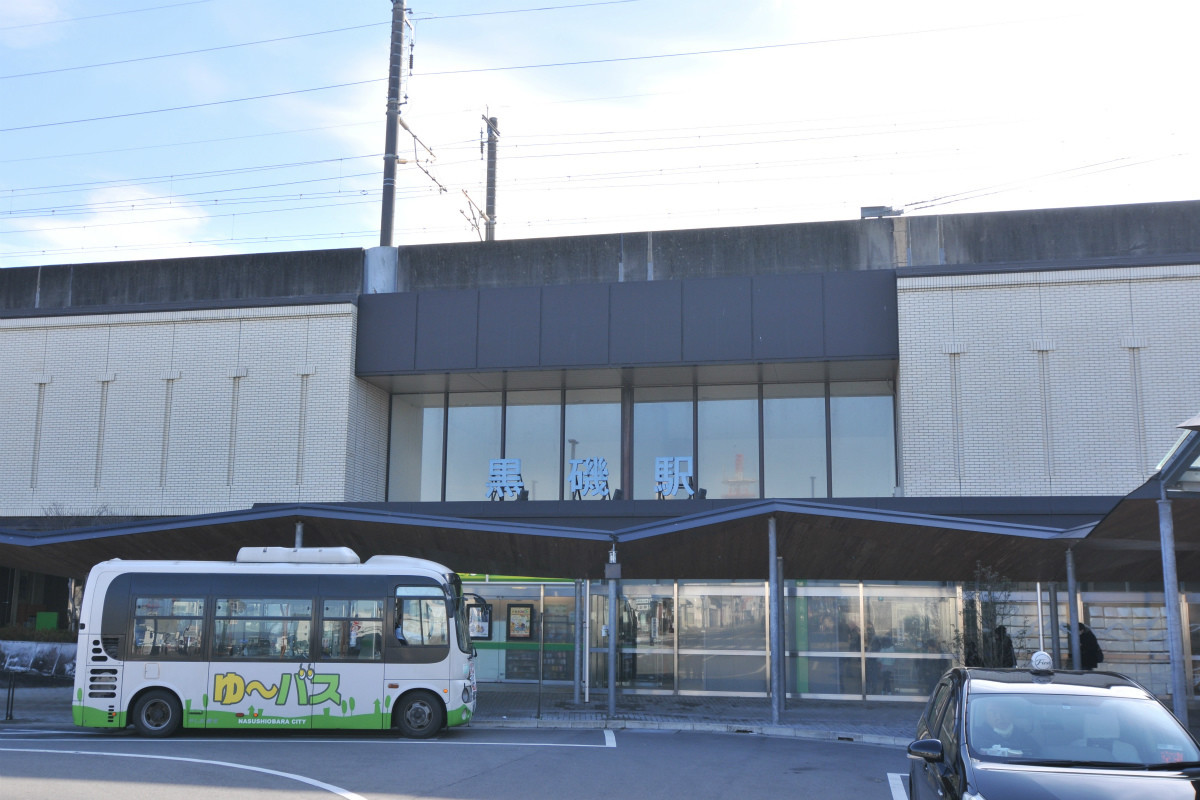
[490, 202]
[393, 119]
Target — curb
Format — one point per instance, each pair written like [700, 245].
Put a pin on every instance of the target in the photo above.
[777, 731]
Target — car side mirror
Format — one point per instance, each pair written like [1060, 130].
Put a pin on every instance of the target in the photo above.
[927, 749]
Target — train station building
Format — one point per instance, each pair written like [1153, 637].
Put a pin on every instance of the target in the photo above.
[855, 423]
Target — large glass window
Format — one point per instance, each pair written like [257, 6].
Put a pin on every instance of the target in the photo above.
[167, 627]
[826, 632]
[647, 657]
[352, 629]
[727, 421]
[909, 638]
[814, 443]
[594, 438]
[794, 440]
[420, 617]
[662, 435]
[472, 441]
[722, 637]
[531, 434]
[863, 439]
[415, 460]
[262, 628]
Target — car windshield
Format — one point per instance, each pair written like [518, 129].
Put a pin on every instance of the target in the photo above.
[1093, 730]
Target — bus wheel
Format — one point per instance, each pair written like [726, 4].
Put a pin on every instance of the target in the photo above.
[157, 713]
[420, 715]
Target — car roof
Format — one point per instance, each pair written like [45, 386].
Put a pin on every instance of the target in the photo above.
[1024, 681]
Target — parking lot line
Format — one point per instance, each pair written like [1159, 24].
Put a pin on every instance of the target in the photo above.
[896, 781]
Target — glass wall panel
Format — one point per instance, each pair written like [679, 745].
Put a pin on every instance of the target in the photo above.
[794, 440]
[593, 432]
[650, 639]
[722, 616]
[712, 672]
[1128, 627]
[472, 441]
[415, 466]
[826, 635]
[909, 636]
[662, 429]
[558, 656]
[598, 636]
[863, 439]
[727, 421]
[499, 659]
[531, 434]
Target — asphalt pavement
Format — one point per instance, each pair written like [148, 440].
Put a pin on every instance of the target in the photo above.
[40, 705]
[523, 706]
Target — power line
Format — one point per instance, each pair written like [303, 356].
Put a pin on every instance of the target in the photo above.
[218, 48]
[184, 144]
[98, 16]
[214, 49]
[193, 105]
[33, 191]
[722, 51]
[522, 10]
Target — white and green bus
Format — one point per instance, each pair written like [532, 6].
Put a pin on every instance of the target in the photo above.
[281, 639]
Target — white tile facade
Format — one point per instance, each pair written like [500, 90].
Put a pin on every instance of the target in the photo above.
[186, 412]
[1044, 383]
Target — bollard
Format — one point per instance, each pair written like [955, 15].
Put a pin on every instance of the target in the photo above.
[8, 703]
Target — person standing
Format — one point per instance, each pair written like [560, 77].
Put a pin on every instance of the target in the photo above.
[1090, 654]
[1004, 648]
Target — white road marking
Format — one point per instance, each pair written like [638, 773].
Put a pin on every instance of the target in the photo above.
[348, 795]
[610, 740]
[896, 780]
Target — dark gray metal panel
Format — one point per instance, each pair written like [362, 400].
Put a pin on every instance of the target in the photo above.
[208, 281]
[509, 328]
[789, 317]
[18, 288]
[717, 320]
[447, 325]
[647, 323]
[860, 315]
[387, 334]
[575, 325]
[54, 287]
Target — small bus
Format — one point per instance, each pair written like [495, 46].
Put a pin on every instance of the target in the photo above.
[280, 639]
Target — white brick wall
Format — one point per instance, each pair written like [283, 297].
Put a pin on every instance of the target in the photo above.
[1046, 398]
[196, 455]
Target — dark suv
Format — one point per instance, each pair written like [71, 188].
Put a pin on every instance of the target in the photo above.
[993, 734]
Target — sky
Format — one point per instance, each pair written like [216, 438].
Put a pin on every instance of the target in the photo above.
[142, 129]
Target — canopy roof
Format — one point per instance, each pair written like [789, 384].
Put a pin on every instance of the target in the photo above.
[718, 540]
[1024, 539]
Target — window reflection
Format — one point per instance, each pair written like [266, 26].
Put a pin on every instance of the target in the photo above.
[863, 437]
[415, 460]
[531, 434]
[472, 440]
[594, 431]
[727, 420]
[794, 440]
[803, 452]
[662, 428]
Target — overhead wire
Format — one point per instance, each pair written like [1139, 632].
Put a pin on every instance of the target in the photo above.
[511, 143]
[98, 16]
